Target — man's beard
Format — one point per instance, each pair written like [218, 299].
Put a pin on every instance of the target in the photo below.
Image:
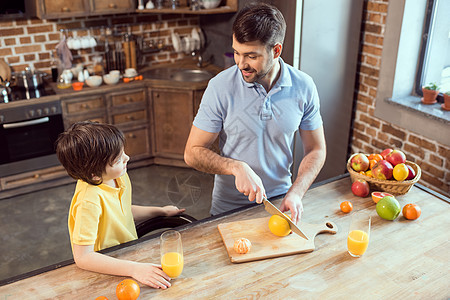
[257, 75]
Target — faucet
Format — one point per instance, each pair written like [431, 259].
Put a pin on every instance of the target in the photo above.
[197, 56]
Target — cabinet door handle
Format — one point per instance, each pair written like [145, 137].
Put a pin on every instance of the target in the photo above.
[84, 105]
[130, 117]
[36, 176]
[129, 99]
[157, 95]
[112, 5]
[131, 135]
[65, 9]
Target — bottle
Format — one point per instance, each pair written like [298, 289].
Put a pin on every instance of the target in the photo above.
[54, 65]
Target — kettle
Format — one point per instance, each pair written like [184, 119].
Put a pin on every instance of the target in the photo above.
[5, 91]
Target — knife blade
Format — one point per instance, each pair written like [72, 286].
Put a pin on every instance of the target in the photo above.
[273, 210]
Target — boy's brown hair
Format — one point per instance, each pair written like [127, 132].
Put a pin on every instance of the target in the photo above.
[86, 148]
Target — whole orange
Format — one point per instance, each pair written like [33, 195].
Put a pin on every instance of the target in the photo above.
[411, 211]
[279, 226]
[346, 206]
[375, 157]
[128, 289]
[372, 162]
[400, 172]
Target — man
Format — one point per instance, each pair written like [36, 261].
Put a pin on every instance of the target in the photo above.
[255, 107]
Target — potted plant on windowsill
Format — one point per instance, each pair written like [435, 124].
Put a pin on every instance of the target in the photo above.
[430, 93]
[446, 105]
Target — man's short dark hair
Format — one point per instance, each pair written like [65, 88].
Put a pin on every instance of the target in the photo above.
[86, 148]
[260, 22]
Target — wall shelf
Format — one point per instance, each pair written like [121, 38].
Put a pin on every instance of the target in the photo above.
[230, 6]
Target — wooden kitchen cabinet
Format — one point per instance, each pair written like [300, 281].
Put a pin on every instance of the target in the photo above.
[128, 110]
[55, 9]
[172, 116]
[91, 108]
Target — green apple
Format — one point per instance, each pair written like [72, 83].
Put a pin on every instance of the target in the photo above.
[388, 208]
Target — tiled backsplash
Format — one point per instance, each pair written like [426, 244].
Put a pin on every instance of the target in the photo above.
[30, 42]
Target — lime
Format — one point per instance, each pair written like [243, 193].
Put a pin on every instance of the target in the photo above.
[388, 208]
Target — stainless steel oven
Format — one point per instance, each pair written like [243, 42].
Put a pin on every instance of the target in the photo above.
[27, 135]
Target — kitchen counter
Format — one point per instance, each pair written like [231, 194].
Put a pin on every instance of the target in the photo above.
[405, 259]
[104, 88]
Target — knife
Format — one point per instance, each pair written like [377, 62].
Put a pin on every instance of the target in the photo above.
[273, 210]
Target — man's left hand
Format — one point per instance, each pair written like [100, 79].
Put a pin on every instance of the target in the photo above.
[293, 203]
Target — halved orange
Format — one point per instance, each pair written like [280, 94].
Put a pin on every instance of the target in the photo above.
[376, 196]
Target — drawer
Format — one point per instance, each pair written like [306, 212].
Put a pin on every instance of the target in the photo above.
[137, 143]
[38, 176]
[80, 106]
[132, 116]
[101, 118]
[122, 99]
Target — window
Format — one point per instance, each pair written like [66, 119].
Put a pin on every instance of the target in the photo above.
[396, 100]
[435, 53]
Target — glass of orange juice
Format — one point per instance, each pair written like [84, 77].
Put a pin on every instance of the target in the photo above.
[358, 234]
[171, 253]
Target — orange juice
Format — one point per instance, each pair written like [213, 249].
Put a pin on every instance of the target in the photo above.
[172, 264]
[357, 242]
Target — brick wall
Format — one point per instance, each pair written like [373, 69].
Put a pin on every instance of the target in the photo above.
[29, 42]
[372, 134]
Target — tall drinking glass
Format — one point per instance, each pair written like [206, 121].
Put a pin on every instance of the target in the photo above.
[358, 234]
[171, 253]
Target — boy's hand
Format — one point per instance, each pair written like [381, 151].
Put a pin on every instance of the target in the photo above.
[171, 210]
[151, 275]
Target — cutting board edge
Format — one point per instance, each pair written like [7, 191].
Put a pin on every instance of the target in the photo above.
[249, 259]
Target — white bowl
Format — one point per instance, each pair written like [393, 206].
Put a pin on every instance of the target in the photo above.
[111, 79]
[94, 81]
[211, 3]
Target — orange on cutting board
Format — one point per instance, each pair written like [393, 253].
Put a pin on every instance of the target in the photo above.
[279, 226]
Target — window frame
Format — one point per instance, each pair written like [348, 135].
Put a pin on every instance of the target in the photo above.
[427, 29]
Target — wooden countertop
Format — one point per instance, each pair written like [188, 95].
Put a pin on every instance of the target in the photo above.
[104, 88]
[405, 259]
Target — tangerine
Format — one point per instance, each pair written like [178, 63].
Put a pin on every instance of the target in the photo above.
[242, 245]
[346, 206]
[400, 172]
[128, 289]
[279, 226]
[376, 157]
[372, 162]
[411, 211]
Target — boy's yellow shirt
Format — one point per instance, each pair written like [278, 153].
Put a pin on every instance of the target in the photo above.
[101, 215]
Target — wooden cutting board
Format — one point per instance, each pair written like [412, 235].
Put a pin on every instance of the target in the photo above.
[267, 245]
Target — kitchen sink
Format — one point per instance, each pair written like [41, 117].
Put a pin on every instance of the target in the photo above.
[176, 74]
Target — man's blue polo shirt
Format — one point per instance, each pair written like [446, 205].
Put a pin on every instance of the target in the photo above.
[257, 127]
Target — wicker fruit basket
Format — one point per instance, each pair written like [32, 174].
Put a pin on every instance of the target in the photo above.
[391, 186]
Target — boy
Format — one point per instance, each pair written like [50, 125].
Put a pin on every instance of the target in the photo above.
[101, 214]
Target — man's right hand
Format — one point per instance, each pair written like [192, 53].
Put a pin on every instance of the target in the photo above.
[248, 182]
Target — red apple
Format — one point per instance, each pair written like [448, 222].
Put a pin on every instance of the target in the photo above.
[382, 170]
[396, 157]
[360, 188]
[411, 174]
[359, 162]
[385, 152]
